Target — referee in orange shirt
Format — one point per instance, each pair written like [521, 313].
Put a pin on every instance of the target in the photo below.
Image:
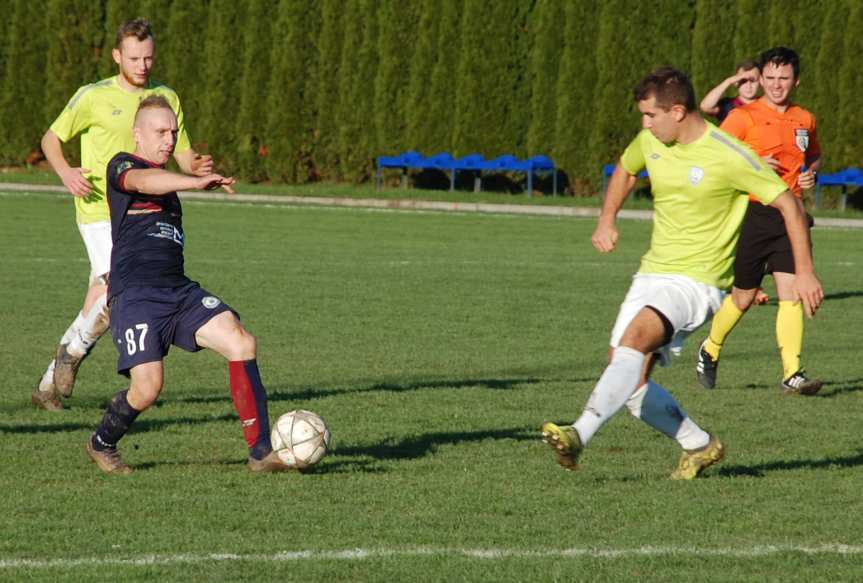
[784, 135]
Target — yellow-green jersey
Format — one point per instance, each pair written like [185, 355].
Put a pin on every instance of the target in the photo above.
[699, 200]
[103, 114]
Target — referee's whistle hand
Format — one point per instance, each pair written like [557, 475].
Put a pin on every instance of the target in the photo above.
[810, 292]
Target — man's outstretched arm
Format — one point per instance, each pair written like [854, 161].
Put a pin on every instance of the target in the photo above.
[157, 182]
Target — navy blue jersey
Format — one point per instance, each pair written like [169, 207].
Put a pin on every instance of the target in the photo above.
[146, 230]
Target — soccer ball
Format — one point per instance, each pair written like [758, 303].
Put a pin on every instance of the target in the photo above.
[300, 438]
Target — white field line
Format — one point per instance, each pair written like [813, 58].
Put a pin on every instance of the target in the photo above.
[408, 204]
[482, 554]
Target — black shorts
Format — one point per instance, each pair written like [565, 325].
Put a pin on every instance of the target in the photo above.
[764, 246]
[146, 321]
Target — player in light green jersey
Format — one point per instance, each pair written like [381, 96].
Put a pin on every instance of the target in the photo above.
[699, 178]
[102, 113]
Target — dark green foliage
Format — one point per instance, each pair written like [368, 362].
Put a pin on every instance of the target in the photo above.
[620, 65]
[397, 24]
[326, 98]
[574, 92]
[544, 63]
[116, 13]
[829, 101]
[180, 59]
[221, 84]
[673, 45]
[780, 26]
[624, 59]
[22, 112]
[158, 12]
[487, 78]
[807, 19]
[359, 62]
[293, 90]
[420, 101]
[252, 117]
[346, 121]
[518, 80]
[850, 89]
[72, 57]
[713, 55]
[291, 98]
[441, 90]
[750, 31]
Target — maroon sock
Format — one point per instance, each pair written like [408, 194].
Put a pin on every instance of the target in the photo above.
[250, 401]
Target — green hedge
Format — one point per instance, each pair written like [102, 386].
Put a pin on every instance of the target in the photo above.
[297, 91]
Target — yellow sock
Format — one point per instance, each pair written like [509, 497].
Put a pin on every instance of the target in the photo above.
[723, 323]
[789, 335]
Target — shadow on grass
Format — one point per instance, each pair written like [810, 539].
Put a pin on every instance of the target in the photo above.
[140, 426]
[391, 450]
[307, 393]
[47, 428]
[846, 386]
[415, 447]
[758, 471]
[844, 295]
[411, 448]
[756, 386]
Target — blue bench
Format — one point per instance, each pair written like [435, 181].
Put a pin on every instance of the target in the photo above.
[445, 162]
[843, 178]
[607, 171]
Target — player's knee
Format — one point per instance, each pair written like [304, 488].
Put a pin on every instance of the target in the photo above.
[243, 345]
[743, 298]
[248, 343]
[143, 393]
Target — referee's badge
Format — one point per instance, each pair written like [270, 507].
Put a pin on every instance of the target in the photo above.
[801, 138]
[696, 175]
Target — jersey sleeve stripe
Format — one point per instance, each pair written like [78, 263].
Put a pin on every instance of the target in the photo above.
[77, 97]
[736, 147]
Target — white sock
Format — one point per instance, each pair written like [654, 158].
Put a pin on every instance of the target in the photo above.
[615, 386]
[654, 405]
[72, 330]
[92, 326]
[46, 383]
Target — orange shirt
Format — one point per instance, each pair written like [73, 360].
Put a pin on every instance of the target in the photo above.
[790, 137]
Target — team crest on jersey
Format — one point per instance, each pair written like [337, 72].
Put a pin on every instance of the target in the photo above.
[801, 138]
[696, 175]
[211, 302]
[123, 166]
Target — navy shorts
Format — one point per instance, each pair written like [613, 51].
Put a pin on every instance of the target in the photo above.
[146, 321]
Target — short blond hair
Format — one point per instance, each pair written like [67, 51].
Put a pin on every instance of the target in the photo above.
[152, 102]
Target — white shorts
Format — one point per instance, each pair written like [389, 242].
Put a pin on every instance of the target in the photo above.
[685, 302]
[97, 240]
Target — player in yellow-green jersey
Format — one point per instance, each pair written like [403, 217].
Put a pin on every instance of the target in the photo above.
[102, 113]
[699, 178]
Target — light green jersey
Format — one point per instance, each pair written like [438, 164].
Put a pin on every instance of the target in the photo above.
[699, 200]
[103, 114]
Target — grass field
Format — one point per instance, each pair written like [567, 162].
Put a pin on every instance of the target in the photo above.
[434, 345]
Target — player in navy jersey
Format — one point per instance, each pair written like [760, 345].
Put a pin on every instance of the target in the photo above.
[153, 303]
